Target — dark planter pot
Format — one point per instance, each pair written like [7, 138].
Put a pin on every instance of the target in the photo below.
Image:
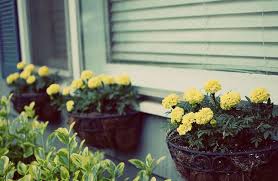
[256, 165]
[119, 132]
[43, 107]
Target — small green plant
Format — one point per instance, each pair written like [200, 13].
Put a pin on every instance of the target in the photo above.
[146, 169]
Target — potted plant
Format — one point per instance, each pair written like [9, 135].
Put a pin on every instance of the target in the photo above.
[104, 109]
[28, 85]
[221, 137]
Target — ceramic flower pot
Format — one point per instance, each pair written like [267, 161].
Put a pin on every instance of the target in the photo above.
[255, 165]
[43, 107]
[119, 132]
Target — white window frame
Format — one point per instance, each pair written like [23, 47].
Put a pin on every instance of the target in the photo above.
[75, 60]
[158, 81]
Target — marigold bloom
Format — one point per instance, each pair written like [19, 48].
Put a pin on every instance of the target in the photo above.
[31, 79]
[70, 105]
[176, 114]
[20, 65]
[122, 79]
[169, 101]
[86, 74]
[94, 82]
[193, 96]
[259, 95]
[184, 128]
[212, 86]
[77, 84]
[43, 71]
[53, 89]
[204, 116]
[229, 100]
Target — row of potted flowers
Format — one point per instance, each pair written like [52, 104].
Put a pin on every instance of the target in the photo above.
[211, 137]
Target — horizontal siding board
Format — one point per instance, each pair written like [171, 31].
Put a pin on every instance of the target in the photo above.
[227, 35]
[224, 8]
[219, 22]
[142, 4]
[225, 49]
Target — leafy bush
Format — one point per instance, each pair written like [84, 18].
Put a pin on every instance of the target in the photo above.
[24, 137]
[211, 122]
[30, 80]
[91, 93]
[21, 135]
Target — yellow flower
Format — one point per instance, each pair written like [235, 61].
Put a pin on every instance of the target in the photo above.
[94, 82]
[31, 79]
[204, 116]
[70, 105]
[29, 67]
[77, 84]
[169, 101]
[43, 71]
[53, 89]
[107, 79]
[188, 118]
[12, 78]
[25, 74]
[193, 96]
[153, 179]
[212, 86]
[20, 65]
[66, 91]
[259, 95]
[229, 100]
[176, 114]
[86, 74]
[122, 79]
[184, 128]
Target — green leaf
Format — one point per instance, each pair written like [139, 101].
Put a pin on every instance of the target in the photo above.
[149, 161]
[22, 168]
[160, 160]
[63, 135]
[62, 157]
[64, 173]
[119, 169]
[26, 178]
[4, 164]
[77, 160]
[137, 163]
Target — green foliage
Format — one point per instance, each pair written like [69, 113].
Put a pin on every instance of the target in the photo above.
[20, 137]
[146, 169]
[28, 155]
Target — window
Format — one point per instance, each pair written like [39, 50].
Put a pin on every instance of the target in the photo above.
[48, 33]
[205, 34]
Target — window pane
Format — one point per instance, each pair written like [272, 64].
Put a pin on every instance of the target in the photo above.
[48, 33]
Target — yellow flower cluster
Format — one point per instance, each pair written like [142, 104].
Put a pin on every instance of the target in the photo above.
[20, 65]
[259, 95]
[77, 84]
[70, 105]
[53, 89]
[229, 100]
[43, 71]
[193, 96]
[122, 79]
[169, 101]
[66, 91]
[86, 74]
[29, 67]
[176, 114]
[94, 82]
[107, 79]
[12, 78]
[204, 116]
[25, 74]
[212, 86]
[184, 128]
[31, 79]
[188, 118]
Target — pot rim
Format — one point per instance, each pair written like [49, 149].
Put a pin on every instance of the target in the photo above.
[182, 148]
[87, 115]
